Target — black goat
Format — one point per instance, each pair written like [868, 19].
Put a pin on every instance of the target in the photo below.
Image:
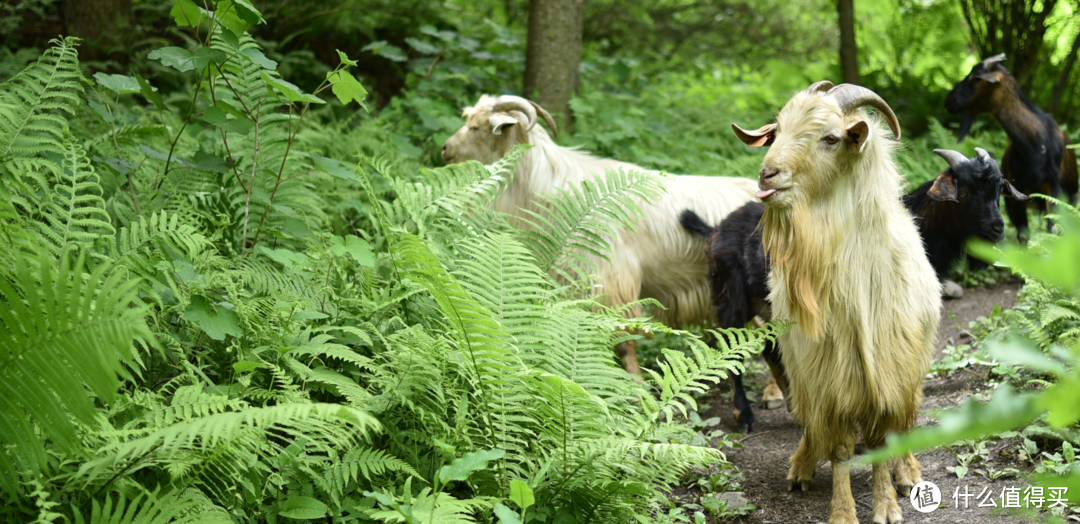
[960, 203]
[1036, 160]
[738, 280]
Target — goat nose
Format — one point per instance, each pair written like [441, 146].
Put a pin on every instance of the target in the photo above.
[998, 230]
[767, 173]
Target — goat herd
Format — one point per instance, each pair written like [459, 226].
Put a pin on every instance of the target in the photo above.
[824, 239]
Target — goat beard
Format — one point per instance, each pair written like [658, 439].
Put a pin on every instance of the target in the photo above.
[801, 252]
[966, 119]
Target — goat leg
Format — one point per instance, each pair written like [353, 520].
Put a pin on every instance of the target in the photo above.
[842, 506]
[803, 464]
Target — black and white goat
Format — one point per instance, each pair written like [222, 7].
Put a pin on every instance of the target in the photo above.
[1036, 160]
[962, 202]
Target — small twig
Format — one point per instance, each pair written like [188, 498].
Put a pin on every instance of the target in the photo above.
[251, 185]
[432, 66]
[748, 437]
[131, 187]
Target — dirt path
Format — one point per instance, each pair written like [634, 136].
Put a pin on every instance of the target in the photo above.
[764, 456]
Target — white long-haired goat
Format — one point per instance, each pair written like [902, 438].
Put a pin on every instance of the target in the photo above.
[659, 259]
[849, 268]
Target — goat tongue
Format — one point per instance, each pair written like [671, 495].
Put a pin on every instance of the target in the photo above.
[765, 193]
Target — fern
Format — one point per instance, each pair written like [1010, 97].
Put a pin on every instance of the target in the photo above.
[61, 331]
[35, 103]
[75, 215]
[582, 220]
[151, 508]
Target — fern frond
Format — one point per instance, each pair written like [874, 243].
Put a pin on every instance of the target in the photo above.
[681, 377]
[220, 438]
[36, 103]
[579, 222]
[75, 213]
[61, 332]
[152, 508]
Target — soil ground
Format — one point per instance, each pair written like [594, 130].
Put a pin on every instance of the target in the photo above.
[763, 458]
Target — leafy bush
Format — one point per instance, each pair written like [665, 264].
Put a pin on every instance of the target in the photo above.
[211, 312]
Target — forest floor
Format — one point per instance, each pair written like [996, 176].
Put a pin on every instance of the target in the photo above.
[763, 458]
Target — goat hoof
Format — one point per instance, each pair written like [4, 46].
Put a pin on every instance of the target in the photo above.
[950, 289]
[799, 485]
[772, 397]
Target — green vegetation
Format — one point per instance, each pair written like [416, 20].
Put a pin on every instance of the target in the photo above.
[211, 315]
[237, 283]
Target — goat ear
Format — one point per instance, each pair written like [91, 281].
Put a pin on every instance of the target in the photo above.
[944, 188]
[500, 120]
[990, 76]
[762, 136]
[858, 133]
[1008, 190]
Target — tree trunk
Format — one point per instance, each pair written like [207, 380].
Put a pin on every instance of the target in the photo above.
[100, 23]
[553, 55]
[849, 65]
[1062, 82]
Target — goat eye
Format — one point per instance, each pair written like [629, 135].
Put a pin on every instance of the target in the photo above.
[829, 139]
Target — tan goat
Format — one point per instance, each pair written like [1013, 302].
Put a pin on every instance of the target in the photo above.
[848, 267]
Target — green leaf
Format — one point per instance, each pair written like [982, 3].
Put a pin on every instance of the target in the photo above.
[1006, 410]
[355, 247]
[462, 468]
[209, 162]
[422, 46]
[386, 50]
[521, 494]
[304, 508]
[101, 111]
[1060, 400]
[345, 59]
[216, 117]
[245, 10]
[332, 167]
[1022, 352]
[506, 515]
[175, 57]
[346, 88]
[1056, 266]
[215, 322]
[289, 259]
[291, 92]
[186, 13]
[118, 83]
[150, 93]
[246, 365]
[257, 57]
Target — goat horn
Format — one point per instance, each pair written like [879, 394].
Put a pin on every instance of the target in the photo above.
[823, 85]
[852, 97]
[547, 119]
[516, 103]
[954, 158]
[993, 60]
[982, 153]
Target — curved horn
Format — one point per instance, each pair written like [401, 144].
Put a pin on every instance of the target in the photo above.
[761, 136]
[983, 154]
[988, 62]
[954, 158]
[547, 119]
[852, 97]
[516, 103]
[823, 85]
